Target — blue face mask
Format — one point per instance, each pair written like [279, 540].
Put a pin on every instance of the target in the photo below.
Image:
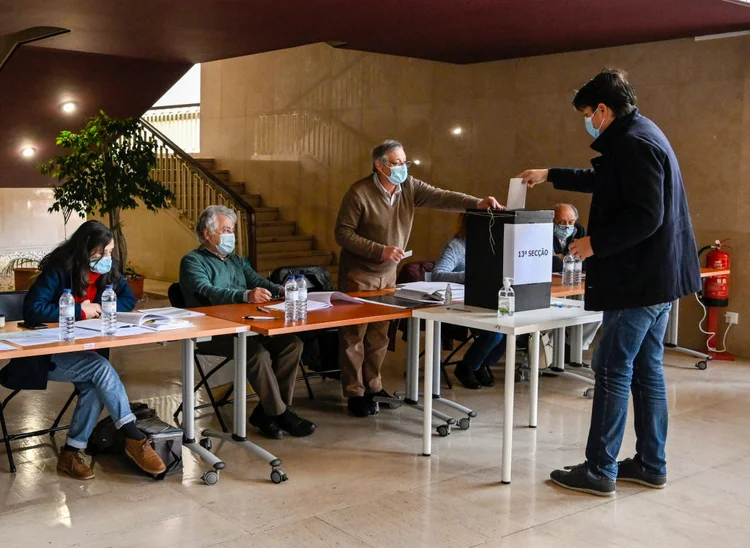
[593, 131]
[226, 245]
[563, 232]
[398, 174]
[101, 265]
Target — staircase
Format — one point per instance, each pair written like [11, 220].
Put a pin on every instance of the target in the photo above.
[278, 241]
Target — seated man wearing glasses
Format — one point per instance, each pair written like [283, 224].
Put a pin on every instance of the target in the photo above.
[372, 228]
[213, 274]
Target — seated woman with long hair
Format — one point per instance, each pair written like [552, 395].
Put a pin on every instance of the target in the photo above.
[84, 264]
[488, 347]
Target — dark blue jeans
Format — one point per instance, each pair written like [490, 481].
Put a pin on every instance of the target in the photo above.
[629, 360]
[487, 349]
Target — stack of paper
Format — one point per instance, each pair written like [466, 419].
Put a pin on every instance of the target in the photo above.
[429, 292]
[319, 300]
[148, 320]
[42, 336]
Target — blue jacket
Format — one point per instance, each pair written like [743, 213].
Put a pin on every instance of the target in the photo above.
[639, 223]
[41, 303]
[40, 306]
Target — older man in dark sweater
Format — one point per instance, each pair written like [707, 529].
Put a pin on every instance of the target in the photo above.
[213, 274]
[372, 228]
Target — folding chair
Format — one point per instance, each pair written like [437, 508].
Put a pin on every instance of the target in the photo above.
[11, 305]
[176, 299]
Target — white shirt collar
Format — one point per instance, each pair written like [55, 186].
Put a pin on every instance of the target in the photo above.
[389, 198]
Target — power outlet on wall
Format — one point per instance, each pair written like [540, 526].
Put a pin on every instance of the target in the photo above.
[732, 318]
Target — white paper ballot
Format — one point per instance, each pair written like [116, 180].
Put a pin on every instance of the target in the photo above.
[408, 254]
[516, 194]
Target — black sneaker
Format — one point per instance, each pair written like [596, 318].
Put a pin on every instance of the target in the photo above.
[466, 376]
[484, 377]
[578, 478]
[265, 424]
[361, 406]
[293, 424]
[633, 471]
[382, 394]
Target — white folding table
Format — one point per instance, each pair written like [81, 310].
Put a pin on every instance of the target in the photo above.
[563, 313]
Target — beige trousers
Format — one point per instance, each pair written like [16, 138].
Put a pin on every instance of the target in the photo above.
[362, 347]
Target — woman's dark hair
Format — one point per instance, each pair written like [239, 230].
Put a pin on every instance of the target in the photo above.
[610, 87]
[72, 256]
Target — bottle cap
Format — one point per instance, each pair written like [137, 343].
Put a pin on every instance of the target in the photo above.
[67, 291]
[108, 286]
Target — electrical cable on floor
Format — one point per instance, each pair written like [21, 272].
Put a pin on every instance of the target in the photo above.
[711, 333]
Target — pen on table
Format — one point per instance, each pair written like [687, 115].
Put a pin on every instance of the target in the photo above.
[261, 309]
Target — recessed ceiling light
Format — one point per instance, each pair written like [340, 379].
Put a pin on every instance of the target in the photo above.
[28, 152]
[417, 162]
[457, 131]
[68, 107]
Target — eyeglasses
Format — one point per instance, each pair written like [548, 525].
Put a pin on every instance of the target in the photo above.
[406, 163]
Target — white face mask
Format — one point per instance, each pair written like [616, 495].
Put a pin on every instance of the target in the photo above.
[226, 244]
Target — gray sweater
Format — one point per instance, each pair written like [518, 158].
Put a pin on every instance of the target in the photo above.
[451, 266]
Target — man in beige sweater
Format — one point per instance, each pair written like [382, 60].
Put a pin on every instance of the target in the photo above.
[372, 228]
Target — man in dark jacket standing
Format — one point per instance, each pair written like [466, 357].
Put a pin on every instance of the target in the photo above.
[640, 256]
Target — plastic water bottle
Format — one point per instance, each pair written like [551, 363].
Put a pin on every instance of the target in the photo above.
[506, 299]
[301, 297]
[577, 271]
[291, 295]
[109, 311]
[67, 318]
[568, 273]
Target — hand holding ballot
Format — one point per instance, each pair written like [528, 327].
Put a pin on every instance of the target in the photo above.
[533, 177]
[393, 253]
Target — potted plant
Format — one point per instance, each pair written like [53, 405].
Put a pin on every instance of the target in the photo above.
[106, 169]
[135, 280]
[24, 271]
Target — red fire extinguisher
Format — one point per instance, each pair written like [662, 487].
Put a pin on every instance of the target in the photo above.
[716, 291]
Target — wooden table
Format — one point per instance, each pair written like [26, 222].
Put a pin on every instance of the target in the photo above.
[339, 315]
[205, 328]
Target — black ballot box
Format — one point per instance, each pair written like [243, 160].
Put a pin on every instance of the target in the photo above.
[515, 244]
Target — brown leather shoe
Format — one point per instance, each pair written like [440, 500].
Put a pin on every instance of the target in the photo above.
[144, 456]
[71, 463]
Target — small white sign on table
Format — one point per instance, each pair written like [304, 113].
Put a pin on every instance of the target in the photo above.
[527, 253]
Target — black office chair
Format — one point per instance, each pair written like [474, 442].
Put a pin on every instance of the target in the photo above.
[320, 347]
[11, 306]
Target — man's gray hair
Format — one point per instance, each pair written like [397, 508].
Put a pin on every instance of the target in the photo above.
[380, 152]
[571, 206]
[208, 219]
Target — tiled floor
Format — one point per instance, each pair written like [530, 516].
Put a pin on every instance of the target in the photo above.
[362, 482]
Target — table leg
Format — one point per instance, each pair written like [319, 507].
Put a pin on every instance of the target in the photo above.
[188, 413]
[510, 373]
[240, 386]
[239, 428]
[412, 363]
[576, 345]
[559, 349]
[427, 406]
[534, 380]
